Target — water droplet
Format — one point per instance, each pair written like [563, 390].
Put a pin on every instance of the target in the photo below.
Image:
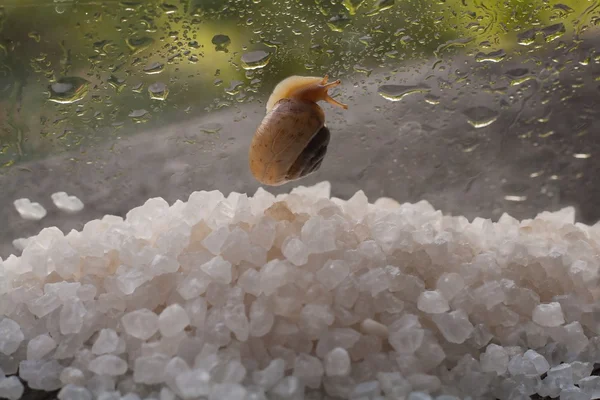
[338, 22]
[432, 99]
[562, 9]
[137, 45]
[518, 76]
[526, 38]
[68, 90]
[515, 198]
[117, 83]
[234, 87]
[363, 70]
[553, 32]
[380, 6]
[480, 116]
[158, 91]
[221, 42]
[582, 156]
[211, 128]
[398, 92]
[353, 5]
[154, 68]
[139, 115]
[255, 59]
[168, 8]
[494, 56]
[35, 36]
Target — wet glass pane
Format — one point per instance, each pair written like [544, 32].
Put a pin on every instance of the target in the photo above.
[480, 107]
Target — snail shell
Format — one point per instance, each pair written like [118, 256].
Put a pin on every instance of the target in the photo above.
[292, 139]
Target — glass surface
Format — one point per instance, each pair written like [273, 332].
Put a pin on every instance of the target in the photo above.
[479, 106]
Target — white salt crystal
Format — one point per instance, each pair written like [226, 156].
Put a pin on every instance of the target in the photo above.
[495, 359]
[44, 305]
[319, 235]
[11, 336]
[432, 302]
[269, 376]
[108, 364]
[29, 210]
[371, 327]
[455, 326]
[218, 269]
[194, 285]
[64, 202]
[424, 383]
[449, 284]
[308, 370]
[150, 369]
[193, 383]
[167, 394]
[357, 205]
[215, 240]
[337, 362]
[141, 324]
[163, 265]
[581, 370]
[71, 317]
[539, 361]
[393, 384]
[333, 273]
[406, 334]
[374, 281]
[273, 275]
[237, 246]
[366, 390]
[249, 281]
[289, 387]
[229, 391]
[72, 392]
[106, 342]
[573, 393]
[263, 233]
[72, 375]
[40, 346]
[172, 320]
[11, 388]
[196, 311]
[548, 315]
[234, 316]
[418, 396]
[261, 317]
[295, 251]
[519, 365]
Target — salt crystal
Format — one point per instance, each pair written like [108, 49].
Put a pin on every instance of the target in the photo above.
[193, 383]
[495, 359]
[234, 316]
[263, 233]
[424, 383]
[72, 375]
[261, 317]
[540, 363]
[218, 269]
[371, 327]
[455, 326]
[418, 396]
[449, 284]
[163, 265]
[29, 210]
[273, 275]
[393, 384]
[337, 362]
[215, 240]
[40, 346]
[150, 369]
[289, 387]
[11, 336]
[309, 370]
[72, 392]
[172, 320]
[519, 365]
[366, 390]
[548, 315]
[574, 393]
[315, 318]
[44, 305]
[167, 394]
[374, 281]
[269, 376]
[581, 370]
[432, 302]
[229, 391]
[106, 342]
[67, 203]
[194, 285]
[406, 334]
[11, 388]
[108, 364]
[295, 251]
[319, 235]
[333, 273]
[141, 324]
[71, 317]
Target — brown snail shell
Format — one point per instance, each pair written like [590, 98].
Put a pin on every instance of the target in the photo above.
[291, 141]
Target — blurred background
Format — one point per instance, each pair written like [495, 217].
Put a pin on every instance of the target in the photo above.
[480, 107]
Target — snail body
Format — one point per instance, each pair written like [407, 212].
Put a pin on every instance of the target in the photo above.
[292, 139]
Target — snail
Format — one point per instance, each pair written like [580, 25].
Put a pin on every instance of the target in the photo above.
[292, 139]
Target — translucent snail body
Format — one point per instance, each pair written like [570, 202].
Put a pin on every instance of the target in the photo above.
[292, 139]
